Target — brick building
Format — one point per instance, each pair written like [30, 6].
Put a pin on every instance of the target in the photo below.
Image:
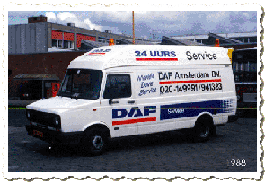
[42, 47]
[39, 36]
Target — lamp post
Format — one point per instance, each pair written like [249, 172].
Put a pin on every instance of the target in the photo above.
[133, 27]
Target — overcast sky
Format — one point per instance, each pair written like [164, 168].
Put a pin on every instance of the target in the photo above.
[149, 24]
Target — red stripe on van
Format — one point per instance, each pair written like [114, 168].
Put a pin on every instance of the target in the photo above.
[156, 59]
[191, 81]
[131, 121]
[96, 53]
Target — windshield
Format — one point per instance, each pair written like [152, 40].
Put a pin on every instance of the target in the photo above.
[81, 84]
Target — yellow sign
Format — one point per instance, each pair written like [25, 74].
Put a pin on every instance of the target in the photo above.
[229, 53]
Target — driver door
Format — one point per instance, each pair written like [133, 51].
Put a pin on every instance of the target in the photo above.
[119, 104]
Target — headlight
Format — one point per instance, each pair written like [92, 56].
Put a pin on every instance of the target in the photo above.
[28, 114]
[56, 120]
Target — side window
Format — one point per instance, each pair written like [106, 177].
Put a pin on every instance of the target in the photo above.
[117, 86]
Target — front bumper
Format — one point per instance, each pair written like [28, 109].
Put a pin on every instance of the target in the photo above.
[54, 137]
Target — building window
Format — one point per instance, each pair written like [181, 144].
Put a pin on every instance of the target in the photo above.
[54, 43]
[103, 40]
[62, 44]
[68, 44]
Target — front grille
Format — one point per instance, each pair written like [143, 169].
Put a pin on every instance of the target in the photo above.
[47, 119]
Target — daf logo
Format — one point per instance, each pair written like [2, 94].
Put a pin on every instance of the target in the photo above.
[133, 112]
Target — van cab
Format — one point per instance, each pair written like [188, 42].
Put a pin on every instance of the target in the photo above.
[116, 91]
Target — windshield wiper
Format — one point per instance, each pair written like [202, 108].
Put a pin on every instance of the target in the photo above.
[75, 95]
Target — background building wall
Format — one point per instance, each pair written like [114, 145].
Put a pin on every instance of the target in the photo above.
[28, 38]
[45, 63]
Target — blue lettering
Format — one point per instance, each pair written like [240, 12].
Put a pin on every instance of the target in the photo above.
[152, 53]
[158, 53]
[107, 50]
[138, 113]
[165, 53]
[145, 77]
[173, 54]
[144, 53]
[119, 113]
[130, 114]
[137, 53]
[100, 50]
[149, 109]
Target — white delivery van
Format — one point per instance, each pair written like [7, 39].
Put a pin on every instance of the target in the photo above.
[126, 90]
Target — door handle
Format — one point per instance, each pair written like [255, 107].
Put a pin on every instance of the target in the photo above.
[131, 101]
[113, 102]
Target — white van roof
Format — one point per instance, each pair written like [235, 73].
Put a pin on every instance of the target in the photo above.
[147, 55]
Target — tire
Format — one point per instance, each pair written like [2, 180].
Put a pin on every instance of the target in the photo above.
[202, 131]
[95, 142]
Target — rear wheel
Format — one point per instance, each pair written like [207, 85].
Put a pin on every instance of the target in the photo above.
[203, 130]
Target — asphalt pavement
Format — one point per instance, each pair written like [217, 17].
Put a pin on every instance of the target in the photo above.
[163, 152]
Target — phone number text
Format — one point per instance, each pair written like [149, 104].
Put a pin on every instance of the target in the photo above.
[191, 87]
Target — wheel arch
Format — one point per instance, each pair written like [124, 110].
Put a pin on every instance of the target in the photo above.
[97, 124]
[204, 128]
[205, 116]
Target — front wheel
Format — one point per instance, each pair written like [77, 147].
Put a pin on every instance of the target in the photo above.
[95, 142]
